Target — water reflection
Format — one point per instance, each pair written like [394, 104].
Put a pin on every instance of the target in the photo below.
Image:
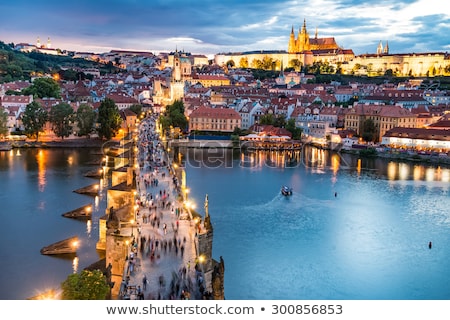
[75, 264]
[41, 160]
[88, 227]
[319, 160]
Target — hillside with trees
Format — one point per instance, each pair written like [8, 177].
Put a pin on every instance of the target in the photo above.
[17, 65]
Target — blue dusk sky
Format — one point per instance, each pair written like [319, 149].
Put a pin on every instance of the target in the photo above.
[210, 26]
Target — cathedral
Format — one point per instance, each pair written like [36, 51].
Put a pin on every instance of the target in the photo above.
[305, 43]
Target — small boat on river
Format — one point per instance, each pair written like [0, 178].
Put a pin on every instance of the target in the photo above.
[286, 191]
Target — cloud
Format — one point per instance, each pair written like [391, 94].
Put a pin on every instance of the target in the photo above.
[214, 26]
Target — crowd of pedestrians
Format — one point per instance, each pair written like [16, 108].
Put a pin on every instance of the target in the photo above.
[161, 253]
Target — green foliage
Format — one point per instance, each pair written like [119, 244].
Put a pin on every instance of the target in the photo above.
[174, 117]
[43, 88]
[296, 64]
[34, 119]
[267, 119]
[87, 285]
[369, 130]
[85, 119]
[260, 74]
[280, 121]
[61, 116]
[136, 108]
[109, 119]
[240, 132]
[3, 122]
[292, 128]
[69, 75]
[16, 65]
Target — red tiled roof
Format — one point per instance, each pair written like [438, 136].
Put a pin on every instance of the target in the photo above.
[419, 133]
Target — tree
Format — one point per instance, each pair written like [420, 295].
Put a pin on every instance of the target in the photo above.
[368, 130]
[292, 128]
[267, 63]
[174, 116]
[136, 108]
[296, 64]
[243, 62]
[109, 119]
[280, 121]
[267, 119]
[34, 119]
[87, 285]
[61, 117]
[3, 122]
[85, 119]
[43, 88]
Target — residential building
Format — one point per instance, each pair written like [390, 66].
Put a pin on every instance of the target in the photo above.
[418, 138]
[214, 119]
[384, 118]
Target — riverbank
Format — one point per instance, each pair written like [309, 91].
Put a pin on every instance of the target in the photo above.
[401, 156]
[63, 143]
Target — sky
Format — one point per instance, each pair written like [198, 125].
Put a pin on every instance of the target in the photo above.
[210, 26]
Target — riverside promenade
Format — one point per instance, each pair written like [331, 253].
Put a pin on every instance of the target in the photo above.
[163, 256]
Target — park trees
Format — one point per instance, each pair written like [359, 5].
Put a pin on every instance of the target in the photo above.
[109, 120]
[3, 123]
[61, 117]
[43, 88]
[85, 118]
[87, 285]
[174, 117]
[34, 119]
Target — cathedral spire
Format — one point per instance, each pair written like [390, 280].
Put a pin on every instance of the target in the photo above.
[291, 44]
[315, 35]
[380, 48]
[386, 48]
[304, 26]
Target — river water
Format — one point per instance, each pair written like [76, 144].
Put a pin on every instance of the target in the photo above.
[353, 228]
[37, 187]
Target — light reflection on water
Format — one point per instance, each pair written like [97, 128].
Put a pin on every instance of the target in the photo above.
[37, 188]
[368, 242]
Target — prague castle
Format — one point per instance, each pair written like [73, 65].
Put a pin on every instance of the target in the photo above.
[304, 50]
[305, 43]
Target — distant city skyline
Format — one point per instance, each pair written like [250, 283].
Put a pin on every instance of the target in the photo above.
[210, 27]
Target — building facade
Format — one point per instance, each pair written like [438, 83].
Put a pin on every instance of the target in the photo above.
[384, 118]
[214, 119]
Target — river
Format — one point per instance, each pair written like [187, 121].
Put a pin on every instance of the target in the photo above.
[353, 228]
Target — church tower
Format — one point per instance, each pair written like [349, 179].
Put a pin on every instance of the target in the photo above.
[49, 44]
[176, 83]
[176, 68]
[292, 45]
[386, 48]
[303, 39]
[38, 43]
[380, 48]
